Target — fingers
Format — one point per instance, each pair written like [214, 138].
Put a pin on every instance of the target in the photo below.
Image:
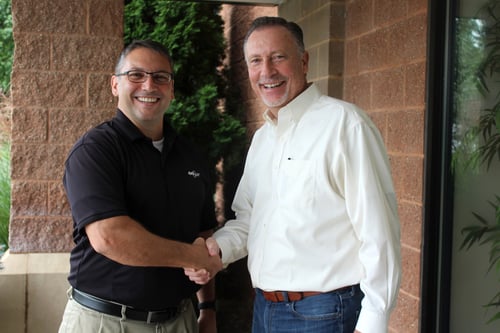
[210, 262]
[198, 276]
[213, 251]
[199, 241]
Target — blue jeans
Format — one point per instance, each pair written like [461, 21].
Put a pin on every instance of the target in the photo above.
[333, 312]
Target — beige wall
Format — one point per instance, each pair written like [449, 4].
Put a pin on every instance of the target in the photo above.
[370, 52]
[33, 292]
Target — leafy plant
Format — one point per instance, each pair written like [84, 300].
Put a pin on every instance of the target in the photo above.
[481, 143]
[6, 56]
[489, 124]
[194, 34]
[6, 45]
[485, 233]
[4, 195]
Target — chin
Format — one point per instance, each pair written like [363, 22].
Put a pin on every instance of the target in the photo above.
[275, 104]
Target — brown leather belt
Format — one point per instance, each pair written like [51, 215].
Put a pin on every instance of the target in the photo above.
[294, 296]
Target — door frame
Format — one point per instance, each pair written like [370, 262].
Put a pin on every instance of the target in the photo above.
[437, 229]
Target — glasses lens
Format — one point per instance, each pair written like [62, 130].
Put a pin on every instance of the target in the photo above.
[161, 78]
[140, 77]
[136, 76]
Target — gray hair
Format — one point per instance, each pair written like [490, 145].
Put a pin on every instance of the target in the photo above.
[148, 44]
[272, 21]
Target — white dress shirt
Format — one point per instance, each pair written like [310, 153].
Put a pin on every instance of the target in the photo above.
[316, 208]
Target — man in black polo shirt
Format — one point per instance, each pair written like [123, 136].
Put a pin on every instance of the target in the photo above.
[140, 196]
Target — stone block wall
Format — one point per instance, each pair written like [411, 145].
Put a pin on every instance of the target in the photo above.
[64, 54]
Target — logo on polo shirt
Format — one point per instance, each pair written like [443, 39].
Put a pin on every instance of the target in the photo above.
[194, 174]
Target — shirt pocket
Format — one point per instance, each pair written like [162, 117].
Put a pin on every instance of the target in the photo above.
[298, 183]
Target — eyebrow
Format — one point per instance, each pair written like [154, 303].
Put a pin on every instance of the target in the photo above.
[147, 71]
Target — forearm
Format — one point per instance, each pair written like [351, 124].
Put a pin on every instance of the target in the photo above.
[382, 275]
[207, 319]
[125, 241]
[207, 292]
[232, 240]
[206, 302]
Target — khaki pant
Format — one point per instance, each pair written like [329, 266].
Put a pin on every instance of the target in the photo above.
[80, 319]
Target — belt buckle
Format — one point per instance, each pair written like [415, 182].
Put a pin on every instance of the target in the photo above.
[160, 316]
[150, 316]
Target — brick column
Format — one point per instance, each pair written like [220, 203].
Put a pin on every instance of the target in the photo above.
[64, 53]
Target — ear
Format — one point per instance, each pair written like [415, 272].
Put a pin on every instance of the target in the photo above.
[114, 85]
[305, 62]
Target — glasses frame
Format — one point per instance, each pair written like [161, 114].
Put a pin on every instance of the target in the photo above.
[127, 74]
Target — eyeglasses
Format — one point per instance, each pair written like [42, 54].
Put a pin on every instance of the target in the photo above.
[136, 76]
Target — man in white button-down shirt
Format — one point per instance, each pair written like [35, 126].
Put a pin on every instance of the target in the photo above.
[316, 211]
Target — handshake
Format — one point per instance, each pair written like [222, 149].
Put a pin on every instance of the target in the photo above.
[210, 264]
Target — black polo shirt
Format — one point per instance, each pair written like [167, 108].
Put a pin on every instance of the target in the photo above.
[115, 170]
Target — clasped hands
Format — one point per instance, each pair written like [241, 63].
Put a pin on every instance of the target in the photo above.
[212, 264]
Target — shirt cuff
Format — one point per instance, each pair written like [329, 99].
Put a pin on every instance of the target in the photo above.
[224, 251]
[372, 322]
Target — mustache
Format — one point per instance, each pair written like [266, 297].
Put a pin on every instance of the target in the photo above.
[272, 80]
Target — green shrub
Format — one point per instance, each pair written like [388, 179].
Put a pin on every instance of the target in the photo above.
[6, 45]
[204, 109]
[4, 195]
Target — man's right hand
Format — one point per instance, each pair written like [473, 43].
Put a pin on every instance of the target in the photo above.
[212, 265]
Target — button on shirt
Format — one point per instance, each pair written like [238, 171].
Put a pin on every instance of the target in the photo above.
[316, 208]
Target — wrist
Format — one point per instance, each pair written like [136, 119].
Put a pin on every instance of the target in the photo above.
[208, 305]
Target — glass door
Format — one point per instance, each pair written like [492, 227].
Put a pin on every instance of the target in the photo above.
[475, 167]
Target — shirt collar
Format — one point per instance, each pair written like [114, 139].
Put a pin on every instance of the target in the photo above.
[295, 109]
[122, 124]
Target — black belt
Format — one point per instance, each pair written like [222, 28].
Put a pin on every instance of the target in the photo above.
[115, 309]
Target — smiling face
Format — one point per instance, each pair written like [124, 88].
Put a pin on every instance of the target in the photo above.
[144, 103]
[276, 68]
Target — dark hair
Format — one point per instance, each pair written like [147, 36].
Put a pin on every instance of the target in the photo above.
[270, 21]
[148, 44]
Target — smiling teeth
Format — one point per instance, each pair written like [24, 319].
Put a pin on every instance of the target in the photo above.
[147, 99]
[272, 85]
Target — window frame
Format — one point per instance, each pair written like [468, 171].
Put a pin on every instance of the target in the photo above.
[437, 230]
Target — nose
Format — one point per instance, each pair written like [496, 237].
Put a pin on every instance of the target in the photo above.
[267, 67]
[149, 82]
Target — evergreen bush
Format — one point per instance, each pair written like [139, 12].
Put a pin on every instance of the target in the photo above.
[6, 45]
[194, 35]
